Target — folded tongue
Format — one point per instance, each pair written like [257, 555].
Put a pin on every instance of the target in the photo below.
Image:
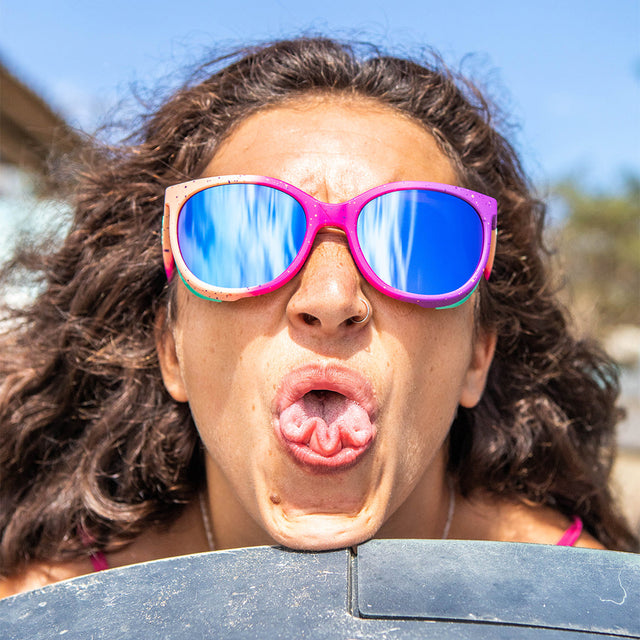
[326, 422]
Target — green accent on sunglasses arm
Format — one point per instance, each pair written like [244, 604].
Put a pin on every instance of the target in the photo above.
[195, 293]
[457, 304]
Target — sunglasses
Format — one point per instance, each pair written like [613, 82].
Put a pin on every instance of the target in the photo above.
[231, 237]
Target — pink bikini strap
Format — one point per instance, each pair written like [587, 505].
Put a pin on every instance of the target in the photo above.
[99, 561]
[571, 535]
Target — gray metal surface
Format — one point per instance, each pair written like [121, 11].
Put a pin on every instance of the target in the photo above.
[406, 589]
[514, 584]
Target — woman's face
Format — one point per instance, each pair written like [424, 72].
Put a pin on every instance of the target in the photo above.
[321, 432]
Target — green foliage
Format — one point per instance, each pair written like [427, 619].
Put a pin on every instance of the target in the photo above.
[599, 245]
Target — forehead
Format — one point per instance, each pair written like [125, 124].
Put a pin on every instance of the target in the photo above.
[351, 144]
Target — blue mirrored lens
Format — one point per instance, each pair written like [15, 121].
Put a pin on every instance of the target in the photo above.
[421, 242]
[234, 236]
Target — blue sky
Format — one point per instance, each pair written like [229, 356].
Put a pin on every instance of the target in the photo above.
[567, 71]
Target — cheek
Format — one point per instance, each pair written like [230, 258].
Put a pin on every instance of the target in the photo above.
[211, 351]
[431, 359]
[433, 347]
[214, 337]
[205, 363]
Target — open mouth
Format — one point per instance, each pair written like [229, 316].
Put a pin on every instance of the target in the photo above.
[325, 416]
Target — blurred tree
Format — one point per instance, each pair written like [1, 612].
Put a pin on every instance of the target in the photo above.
[598, 244]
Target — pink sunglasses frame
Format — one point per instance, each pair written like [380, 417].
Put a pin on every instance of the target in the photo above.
[319, 214]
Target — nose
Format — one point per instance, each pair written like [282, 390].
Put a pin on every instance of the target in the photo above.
[329, 297]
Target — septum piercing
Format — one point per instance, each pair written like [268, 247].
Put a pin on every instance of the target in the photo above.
[366, 315]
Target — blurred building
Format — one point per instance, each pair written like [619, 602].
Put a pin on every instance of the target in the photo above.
[31, 133]
[29, 127]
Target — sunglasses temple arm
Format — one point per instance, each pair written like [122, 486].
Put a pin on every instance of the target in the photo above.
[492, 253]
[167, 254]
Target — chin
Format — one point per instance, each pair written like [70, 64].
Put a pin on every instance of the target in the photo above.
[320, 532]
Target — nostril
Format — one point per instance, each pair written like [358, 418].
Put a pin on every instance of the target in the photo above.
[307, 318]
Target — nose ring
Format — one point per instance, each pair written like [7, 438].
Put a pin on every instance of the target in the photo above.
[367, 315]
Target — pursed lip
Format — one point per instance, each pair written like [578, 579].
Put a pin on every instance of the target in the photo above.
[330, 377]
[327, 376]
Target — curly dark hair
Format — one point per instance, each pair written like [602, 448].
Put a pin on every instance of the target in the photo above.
[90, 440]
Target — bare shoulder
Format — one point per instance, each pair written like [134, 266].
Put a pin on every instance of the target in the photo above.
[186, 535]
[40, 574]
[486, 518]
